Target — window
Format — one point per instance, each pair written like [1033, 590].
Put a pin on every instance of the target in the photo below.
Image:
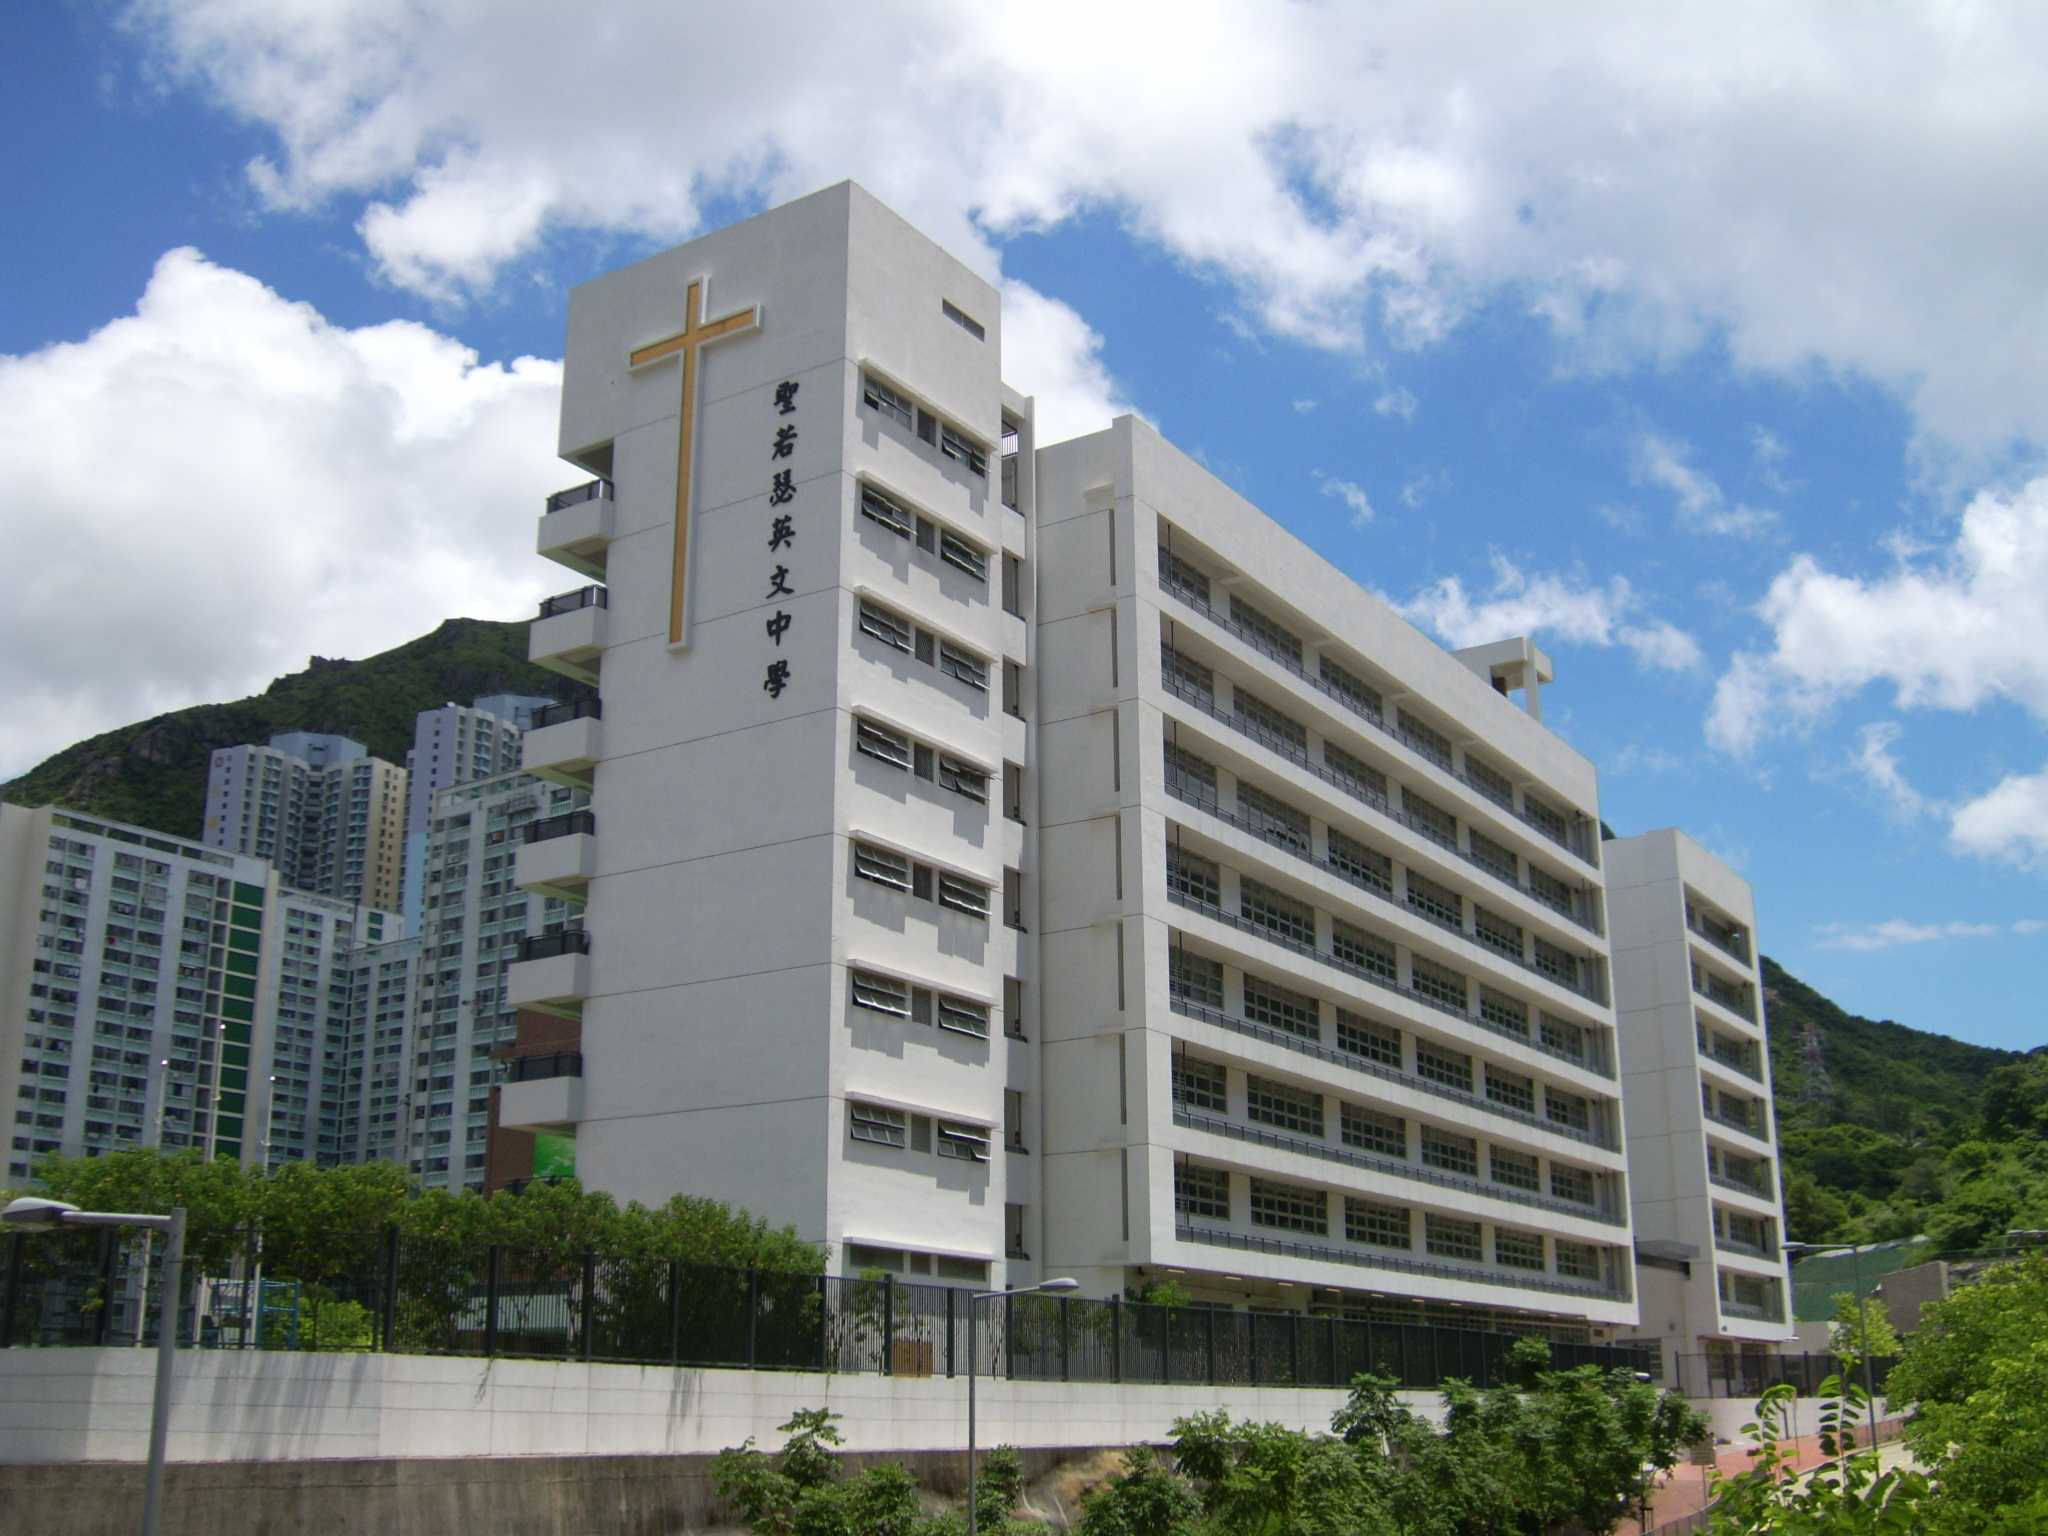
[1013, 583]
[1430, 819]
[1504, 1012]
[1558, 964]
[925, 763]
[1516, 1169]
[884, 994]
[1013, 1120]
[1013, 791]
[1013, 688]
[1564, 1037]
[1183, 579]
[1013, 1232]
[878, 741]
[1551, 891]
[1492, 856]
[1569, 1183]
[1013, 898]
[1435, 901]
[1290, 1108]
[1270, 635]
[1201, 1191]
[1363, 1037]
[1372, 1131]
[1013, 1007]
[1182, 674]
[1200, 880]
[1200, 1084]
[963, 895]
[1566, 1109]
[1425, 739]
[884, 510]
[1195, 978]
[884, 626]
[966, 1143]
[1360, 864]
[1276, 912]
[880, 397]
[957, 552]
[881, 866]
[1517, 1250]
[1383, 1226]
[963, 450]
[927, 647]
[1438, 982]
[1581, 1261]
[1290, 1207]
[1496, 932]
[1265, 1003]
[1191, 777]
[1278, 730]
[964, 665]
[1449, 1238]
[1449, 1151]
[883, 1127]
[1273, 818]
[1440, 1064]
[963, 778]
[1368, 952]
[1511, 1089]
[963, 1017]
[927, 426]
[965, 321]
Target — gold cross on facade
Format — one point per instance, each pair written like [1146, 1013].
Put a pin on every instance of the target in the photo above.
[695, 333]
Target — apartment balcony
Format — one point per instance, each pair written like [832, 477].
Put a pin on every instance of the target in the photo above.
[559, 856]
[571, 633]
[1739, 998]
[577, 529]
[552, 974]
[566, 743]
[542, 1093]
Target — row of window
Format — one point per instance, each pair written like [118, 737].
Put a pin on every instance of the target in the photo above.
[929, 536]
[951, 441]
[921, 1005]
[898, 633]
[884, 866]
[886, 744]
[900, 1131]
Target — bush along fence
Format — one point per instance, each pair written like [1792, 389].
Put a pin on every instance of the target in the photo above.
[416, 1296]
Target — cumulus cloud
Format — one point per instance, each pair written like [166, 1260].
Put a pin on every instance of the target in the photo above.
[1399, 401]
[1352, 496]
[1875, 761]
[1663, 461]
[1052, 354]
[1521, 604]
[1958, 629]
[214, 488]
[2008, 822]
[1797, 182]
[1897, 931]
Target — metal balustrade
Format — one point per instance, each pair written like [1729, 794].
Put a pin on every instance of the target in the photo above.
[570, 602]
[538, 1069]
[569, 824]
[574, 709]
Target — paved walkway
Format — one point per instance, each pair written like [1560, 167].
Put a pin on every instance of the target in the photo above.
[1683, 1490]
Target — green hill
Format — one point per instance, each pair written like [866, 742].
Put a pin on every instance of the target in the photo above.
[153, 773]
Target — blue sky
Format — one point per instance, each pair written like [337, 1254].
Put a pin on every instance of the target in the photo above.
[1707, 344]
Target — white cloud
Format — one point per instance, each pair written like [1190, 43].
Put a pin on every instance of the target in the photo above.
[1951, 632]
[1352, 497]
[1875, 761]
[1399, 402]
[1303, 407]
[1897, 931]
[214, 488]
[1815, 188]
[1520, 604]
[1050, 353]
[1662, 461]
[2009, 821]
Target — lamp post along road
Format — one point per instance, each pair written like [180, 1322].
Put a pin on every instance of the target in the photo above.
[1044, 1287]
[33, 1214]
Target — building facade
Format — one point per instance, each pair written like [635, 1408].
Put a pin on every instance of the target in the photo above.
[1003, 857]
[1697, 1083]
[329, 816]
[453, 745]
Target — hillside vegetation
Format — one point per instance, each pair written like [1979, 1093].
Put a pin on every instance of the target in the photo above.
[153, 773]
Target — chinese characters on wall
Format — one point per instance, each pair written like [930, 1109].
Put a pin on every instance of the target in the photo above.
[781, 533]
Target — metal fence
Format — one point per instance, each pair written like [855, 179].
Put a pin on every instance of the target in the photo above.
[422, 1296]
[1735, 1375]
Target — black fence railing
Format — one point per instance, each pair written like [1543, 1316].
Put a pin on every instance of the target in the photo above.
[421, 1296]
[545, 946]
[1734, 1375]
[569, 602]
[594, 490]
[566, 825]
[537, 1069]
[574, 709]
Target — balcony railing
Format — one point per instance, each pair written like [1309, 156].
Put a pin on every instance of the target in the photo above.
[1724, 937]
[566, 825]
[545, 946]
[1757, 1191]
[574, 709]
[538, 1069]
[1747, 1250]
[569, 602]
[596, 490]
[1756, 1127]
[1736, 999]
[1736, 1061]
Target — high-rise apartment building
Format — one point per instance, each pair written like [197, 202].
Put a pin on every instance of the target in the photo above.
[374, 1099]
[329, 816]
[1696, 1079]
[1002, 857]
[453, 745]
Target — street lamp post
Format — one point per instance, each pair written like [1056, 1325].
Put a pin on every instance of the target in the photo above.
[1855, 1252]
[1048, 1287]
[33, 1214]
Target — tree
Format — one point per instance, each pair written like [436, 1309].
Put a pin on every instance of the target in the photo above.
[1146, 1498]
[217, 1196]
[1950, 1354]
[1846, 1330]
[1268, 1480]
[1850, 1494]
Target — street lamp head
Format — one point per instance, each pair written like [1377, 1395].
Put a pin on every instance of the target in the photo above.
[1058, 1286]
[32, 1213]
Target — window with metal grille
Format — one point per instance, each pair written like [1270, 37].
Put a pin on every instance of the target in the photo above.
[1271, 635]
[1353, 689]
[1290, 1108]
[878, 741]
[1196, 978]
[956, 551]
[1201, 1191]
[1268, 722]
[1551, 891]
[1441, 1064]
[1182, 674]
[1569, 1183]
[962, 1016]
[963, 895]
[1191, 776]
[1295, 1012]
[1430, 818]
[1198, 879]
[965, 665]
[1580, 1261]
[1511, 1089]
[1489, 781]
[1553, 823]
[1383, 1226]
[1369, 952]
[881, 866]
[1439, 982]
[1559, 964]
[884, 994]
[884, 626]
[1566, 1108]
[885, 511]
[1451, 1152]
[1504, 1012]
[880, 397]
[963, 778]
[1273, 818]
[1290, 1207]
[883, 1127]
[968, 1143]
[1435, 901]
[1516, 1169]
[1276, 912]
[1200, 1084]
[1563, 1036]
[1363, 1037]
[1365, 866]
[1178, 576]
[1496, 932]
[1449, 1238]
[1491, 856]
[1517, 1250]
[1424, 738]
[1372, 1131]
